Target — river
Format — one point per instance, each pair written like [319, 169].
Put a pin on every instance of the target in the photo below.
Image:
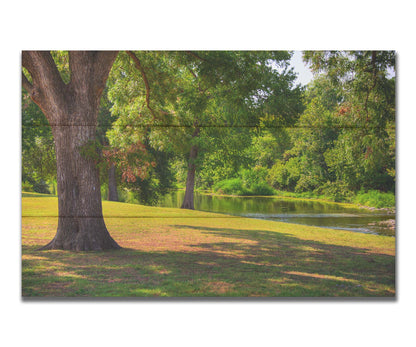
[315, 213]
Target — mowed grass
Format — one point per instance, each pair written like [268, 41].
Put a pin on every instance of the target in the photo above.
[180, 253]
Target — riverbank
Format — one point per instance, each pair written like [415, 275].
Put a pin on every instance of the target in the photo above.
[372, 198]
[288, 196]
[183, 253]
[313, 212]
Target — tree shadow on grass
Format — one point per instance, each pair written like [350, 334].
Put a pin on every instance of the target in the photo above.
[308, 260]
[247, 263]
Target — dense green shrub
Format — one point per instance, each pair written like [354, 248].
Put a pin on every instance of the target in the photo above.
[307, 183]
[27, 187]
[233, 186]
[236, 186]
[374, 198]
[41, 186]
[337, 191]
[37, 186]
[262, 188]
[285, 175]
[253, 176]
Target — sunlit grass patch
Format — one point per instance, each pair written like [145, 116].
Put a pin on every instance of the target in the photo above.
[183, 253]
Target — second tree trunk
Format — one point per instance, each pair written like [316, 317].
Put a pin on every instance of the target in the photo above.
[188, 201]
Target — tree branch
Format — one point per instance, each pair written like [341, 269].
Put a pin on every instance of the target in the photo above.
[91, 65]
[26, 84]
[195, 55]
[105, 59]
[202, 91]
[374, 76]
[27, 61]
[146, 82]
[45, 77]
[193, 73]
[42, 67]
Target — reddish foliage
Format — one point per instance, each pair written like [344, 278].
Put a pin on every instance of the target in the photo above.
[133, 161]
[343, 110]
[368, 152]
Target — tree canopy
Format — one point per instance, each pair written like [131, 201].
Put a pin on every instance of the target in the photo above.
[189, 102]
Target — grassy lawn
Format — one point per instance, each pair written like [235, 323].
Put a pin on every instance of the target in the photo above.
[181, 253]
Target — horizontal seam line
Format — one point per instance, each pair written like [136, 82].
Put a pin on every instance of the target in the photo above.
[209, 126]
[227, 216]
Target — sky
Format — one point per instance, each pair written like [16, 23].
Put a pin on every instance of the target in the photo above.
[304, 73]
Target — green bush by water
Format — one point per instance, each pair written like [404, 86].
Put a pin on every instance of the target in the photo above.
[337, 191]
[374, 198]
[262, 188]
[235, 187]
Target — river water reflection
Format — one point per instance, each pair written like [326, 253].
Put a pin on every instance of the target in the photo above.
[321, 214]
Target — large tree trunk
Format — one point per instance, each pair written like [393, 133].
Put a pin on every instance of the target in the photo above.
[81, 225]
[72, 111]
[112, 184]
[188, 200]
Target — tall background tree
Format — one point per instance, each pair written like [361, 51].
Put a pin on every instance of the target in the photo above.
[188, 102]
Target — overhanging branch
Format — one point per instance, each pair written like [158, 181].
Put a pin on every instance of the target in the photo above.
[193, 73]
[199, 82]
[146, 82]
[195, 55]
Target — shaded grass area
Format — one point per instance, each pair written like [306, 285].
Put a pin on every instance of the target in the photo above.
[176, 253]
[35, 195]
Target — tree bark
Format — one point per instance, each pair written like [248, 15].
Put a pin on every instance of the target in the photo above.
[81, 224]
[112, 184]
[188, 201]
[72, 111]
